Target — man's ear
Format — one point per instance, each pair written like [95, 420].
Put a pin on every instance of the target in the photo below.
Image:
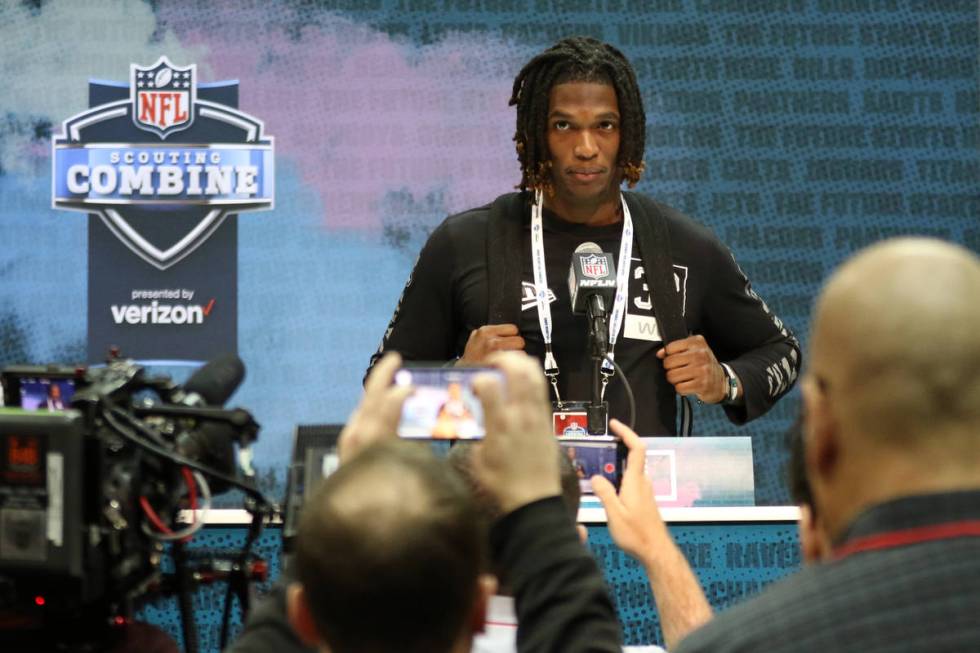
[822, 433]
[486, 586]
[811, 539]
[583, 533]
[300, 617]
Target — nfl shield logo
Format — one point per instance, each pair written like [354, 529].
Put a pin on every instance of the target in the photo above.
[163, 96]
[594, 266]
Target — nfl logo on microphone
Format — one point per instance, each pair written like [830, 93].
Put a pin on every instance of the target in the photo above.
[594, 266]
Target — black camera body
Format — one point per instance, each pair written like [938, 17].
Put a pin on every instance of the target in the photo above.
[67, 500]
[91, 484]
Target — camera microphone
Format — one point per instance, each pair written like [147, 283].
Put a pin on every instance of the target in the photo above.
[212, 442]
[213, 383]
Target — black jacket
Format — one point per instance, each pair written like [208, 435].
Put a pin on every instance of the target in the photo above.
[910, 583]
[684, 281]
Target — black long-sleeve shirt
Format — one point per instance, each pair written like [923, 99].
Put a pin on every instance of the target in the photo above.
[560, 597]
[448, 294]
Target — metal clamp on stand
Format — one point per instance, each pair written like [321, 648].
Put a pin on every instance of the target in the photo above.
[598, 416]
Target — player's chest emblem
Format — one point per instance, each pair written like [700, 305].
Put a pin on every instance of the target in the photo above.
[529, 296]
[640, 323]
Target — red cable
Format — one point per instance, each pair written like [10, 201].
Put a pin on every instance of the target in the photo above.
[153, 517]
[191, 488]
[191, 497]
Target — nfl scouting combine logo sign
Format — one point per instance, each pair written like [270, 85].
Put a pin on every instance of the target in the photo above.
[105, 177]
[163, 162]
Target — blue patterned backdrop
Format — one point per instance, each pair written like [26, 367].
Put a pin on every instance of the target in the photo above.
[799, 130]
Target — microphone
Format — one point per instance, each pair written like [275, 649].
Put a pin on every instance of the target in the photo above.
[214, 382]
[212, 443]
[592, 289]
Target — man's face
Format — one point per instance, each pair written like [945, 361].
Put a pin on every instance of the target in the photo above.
[583, 139]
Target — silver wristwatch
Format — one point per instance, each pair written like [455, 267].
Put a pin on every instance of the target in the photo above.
[731, 394]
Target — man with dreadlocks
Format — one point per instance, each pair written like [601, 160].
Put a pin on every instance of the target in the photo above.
[688, 324]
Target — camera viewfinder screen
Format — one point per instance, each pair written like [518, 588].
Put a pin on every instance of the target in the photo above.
[45, 394]
[443, 405]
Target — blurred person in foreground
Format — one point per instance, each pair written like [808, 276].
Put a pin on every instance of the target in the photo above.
[390, 553]
[892, 450]
[636, 527]
[499, 635]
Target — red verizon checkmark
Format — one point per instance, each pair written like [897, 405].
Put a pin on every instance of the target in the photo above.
[207, 309]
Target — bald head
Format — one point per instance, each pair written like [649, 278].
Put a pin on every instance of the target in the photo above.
[896, 340]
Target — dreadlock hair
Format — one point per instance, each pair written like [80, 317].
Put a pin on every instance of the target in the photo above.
[575, 59]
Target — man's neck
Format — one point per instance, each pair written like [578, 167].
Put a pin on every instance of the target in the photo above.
[894, 478]
[606, 211]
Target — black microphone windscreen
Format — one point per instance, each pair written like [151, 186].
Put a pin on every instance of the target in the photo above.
[217, 380]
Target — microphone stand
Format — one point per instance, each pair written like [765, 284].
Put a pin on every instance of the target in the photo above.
[598, 410]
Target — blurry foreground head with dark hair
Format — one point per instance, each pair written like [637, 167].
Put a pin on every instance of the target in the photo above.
[389, 556]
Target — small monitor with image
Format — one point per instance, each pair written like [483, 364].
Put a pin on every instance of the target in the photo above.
[45, 394]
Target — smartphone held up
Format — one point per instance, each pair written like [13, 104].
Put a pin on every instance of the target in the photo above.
[443, 405]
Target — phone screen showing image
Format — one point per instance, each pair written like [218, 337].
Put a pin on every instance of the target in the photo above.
[591, 457]
[443, 405]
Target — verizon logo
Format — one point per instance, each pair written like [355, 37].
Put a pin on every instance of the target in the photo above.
[157, 313]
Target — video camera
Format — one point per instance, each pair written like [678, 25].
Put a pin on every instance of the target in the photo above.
[96, 464]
